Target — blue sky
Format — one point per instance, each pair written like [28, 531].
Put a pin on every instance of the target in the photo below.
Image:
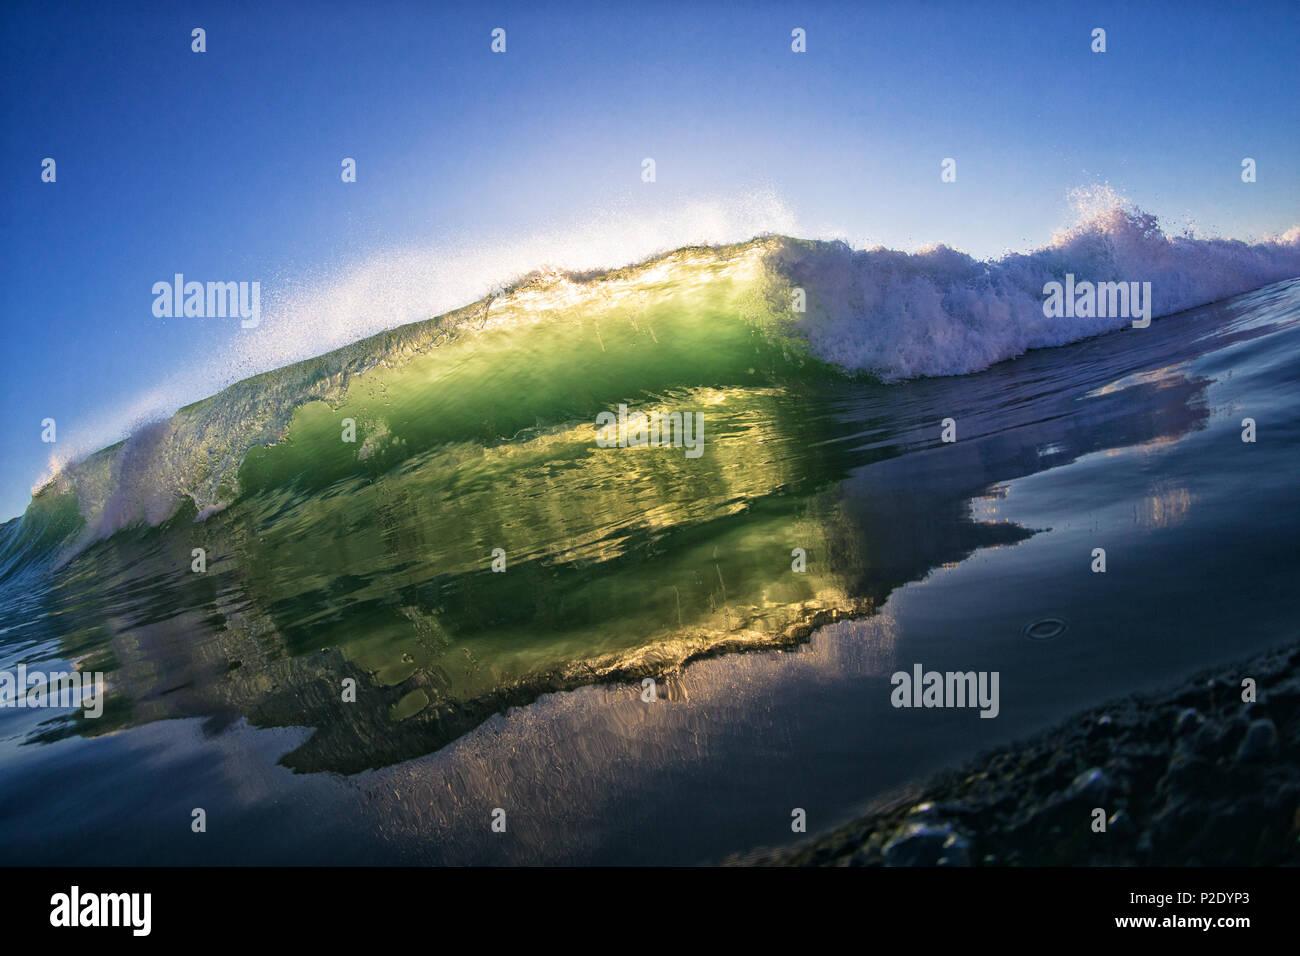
[225, 165]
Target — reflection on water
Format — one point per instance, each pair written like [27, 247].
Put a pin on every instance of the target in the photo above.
[1167, 505]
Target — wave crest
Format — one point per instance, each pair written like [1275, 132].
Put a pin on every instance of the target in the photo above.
[893, 314]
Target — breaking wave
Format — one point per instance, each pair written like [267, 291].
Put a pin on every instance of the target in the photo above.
[889, 314]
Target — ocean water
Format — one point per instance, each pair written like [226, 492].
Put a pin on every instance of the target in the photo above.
[371, 560]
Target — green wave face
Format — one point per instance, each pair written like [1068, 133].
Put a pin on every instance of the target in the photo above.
[443, 528]
[554, 353]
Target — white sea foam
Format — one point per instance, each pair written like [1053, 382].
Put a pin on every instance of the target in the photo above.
[941, 312]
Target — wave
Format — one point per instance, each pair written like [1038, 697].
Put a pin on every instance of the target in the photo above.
[520, 361]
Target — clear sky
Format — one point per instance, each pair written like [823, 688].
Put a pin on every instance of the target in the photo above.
[473, 166]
